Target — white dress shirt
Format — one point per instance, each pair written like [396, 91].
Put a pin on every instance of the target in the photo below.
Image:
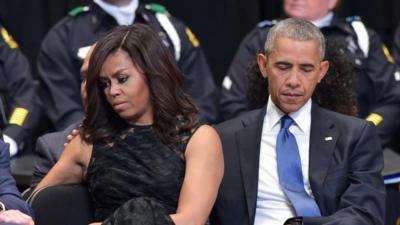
[273, 207]
[324, 21]
[124, 15]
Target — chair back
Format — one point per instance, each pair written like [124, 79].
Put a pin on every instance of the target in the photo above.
[62, 205]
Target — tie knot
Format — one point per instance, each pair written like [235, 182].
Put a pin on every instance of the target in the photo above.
[286, 122]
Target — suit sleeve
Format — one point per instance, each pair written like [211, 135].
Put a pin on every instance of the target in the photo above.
[198, 80]
[234, 87]
[60, 78]
[363, 201]
[385, 88]
[44, 160]
[9, 194]
[22, 101]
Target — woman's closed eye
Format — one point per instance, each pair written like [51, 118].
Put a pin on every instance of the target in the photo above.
[122, 78]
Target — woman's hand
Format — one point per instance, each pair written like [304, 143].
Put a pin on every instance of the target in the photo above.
[95, 223]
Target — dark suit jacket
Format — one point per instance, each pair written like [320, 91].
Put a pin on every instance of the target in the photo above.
[48, 150]
[345, 172]
[9, 194]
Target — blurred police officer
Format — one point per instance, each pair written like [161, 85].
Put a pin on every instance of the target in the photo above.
[396, 46]
[376, 87]
[19, 109]
[66, 44]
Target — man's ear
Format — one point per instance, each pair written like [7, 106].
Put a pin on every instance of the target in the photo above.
[323, 70]
[262, 64]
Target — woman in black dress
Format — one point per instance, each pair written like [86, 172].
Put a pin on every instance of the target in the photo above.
[141, 150]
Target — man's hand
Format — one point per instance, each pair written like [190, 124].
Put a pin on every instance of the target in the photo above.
[15, 217]
[70, 136]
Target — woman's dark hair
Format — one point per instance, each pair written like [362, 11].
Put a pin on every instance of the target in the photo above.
[172, 108]
[335, 92]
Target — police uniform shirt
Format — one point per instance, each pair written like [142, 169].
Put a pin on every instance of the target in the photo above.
[376, 90]
[396, 47]
[19, 109]
[62, 53]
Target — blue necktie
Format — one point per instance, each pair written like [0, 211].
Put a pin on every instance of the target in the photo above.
[289, 171]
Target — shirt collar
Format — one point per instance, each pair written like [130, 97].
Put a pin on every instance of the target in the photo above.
[302, 117]
[324, 21]
[124, 15]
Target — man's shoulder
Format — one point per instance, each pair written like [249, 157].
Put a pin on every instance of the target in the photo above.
[159, 13]
[241, 121]
[74, 17]
[56, 139]
[345, 122]
[261, 30]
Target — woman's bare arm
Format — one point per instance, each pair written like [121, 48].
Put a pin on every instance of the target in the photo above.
[204, 171]
[71, 166]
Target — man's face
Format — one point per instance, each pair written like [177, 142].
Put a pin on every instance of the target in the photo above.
[308, 9]
[84, 71]
[293, 69]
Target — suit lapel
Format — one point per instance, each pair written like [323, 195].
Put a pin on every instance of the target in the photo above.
[323, 139]
[248, 144]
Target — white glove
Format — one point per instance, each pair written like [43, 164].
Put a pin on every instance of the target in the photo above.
[12, 143]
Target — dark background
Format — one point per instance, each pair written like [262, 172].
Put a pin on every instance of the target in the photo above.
[220, 25]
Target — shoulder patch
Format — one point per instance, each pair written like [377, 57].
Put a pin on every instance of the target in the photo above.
[18, 116]
[78, 10]
[266, 23]
[193, 39]
[8, 38]
[389, 56]
[157, 8]
[375, 118]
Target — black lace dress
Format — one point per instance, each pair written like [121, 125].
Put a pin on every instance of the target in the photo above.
[136, 179]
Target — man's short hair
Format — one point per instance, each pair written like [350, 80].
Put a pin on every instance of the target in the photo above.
[295, 29]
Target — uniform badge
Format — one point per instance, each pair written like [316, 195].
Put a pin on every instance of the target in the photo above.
[192, 38]
[8, 38]
[164, 39]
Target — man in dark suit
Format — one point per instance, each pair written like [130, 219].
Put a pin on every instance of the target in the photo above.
[322, 168]
[13, 209]
[48, 150]
[50, 146]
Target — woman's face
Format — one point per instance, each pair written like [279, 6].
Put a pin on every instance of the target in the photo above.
[126, 89]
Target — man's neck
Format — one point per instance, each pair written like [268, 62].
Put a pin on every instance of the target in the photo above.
[118, 2]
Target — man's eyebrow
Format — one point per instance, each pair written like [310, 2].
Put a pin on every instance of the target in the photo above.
[307, 65]
[283, 63]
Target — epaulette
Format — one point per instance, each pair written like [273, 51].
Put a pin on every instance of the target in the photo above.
[8, 39]
[156, 8]
[266, 23]
[78, 10]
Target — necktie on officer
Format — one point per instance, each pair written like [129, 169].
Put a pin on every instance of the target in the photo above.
[289, 171]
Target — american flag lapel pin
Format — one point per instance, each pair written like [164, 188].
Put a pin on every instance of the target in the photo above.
[328, 138]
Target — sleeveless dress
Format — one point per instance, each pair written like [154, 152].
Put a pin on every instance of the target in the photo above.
[136, 179]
